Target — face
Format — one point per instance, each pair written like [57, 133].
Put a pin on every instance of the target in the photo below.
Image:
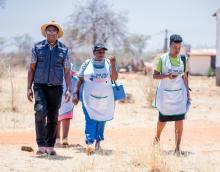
[52, 34]
[175, 49]
[99, 54]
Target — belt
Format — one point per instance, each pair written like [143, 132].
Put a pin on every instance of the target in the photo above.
[51, 85]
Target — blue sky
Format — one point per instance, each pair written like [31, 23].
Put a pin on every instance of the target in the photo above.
[190, 18]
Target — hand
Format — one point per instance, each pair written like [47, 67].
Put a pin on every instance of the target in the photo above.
[171, 76]
[67, 96]
[75, 99]
[112, 60]
[30, 94]
[188, 95]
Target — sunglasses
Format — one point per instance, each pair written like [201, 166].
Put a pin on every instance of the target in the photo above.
[51, 31]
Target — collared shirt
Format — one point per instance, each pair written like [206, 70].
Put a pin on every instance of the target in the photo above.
[66, 60]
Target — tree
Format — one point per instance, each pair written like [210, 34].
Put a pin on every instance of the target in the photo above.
[94, 22]
[24, 43]
[2, 3]
[2, 40]
[135, 44]
[2, 44]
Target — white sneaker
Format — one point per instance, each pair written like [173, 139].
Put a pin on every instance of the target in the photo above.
[41, 151]
[51, 151]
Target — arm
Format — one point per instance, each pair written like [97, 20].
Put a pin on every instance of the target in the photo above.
[67, 76]
[186, 77]
[158, 71]
[79, 82]
[31, 71]
[114, 75]
[76, 90]
[68, 82]
[158, 75]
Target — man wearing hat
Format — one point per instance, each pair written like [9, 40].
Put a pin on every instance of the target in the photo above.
[49, 65]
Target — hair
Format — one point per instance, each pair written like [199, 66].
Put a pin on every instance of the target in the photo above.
[175, 39]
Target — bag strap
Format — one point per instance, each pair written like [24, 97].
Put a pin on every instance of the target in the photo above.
[116, 86]
[87, 63]
[183, 58]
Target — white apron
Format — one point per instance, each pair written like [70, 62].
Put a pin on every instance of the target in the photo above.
[97, 94]
[171, 96]
[67, 106]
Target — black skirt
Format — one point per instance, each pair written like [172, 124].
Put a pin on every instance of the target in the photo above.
[166, 118]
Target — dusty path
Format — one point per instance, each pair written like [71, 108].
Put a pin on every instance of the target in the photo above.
[128, 142]
[198, 133]
[125, 149]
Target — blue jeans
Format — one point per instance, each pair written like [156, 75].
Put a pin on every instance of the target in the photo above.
[94, 130]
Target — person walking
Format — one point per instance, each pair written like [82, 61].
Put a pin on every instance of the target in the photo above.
[96, 75]
[50, 63]
[173, 90]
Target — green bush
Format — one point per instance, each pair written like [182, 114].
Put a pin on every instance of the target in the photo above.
[211, 72]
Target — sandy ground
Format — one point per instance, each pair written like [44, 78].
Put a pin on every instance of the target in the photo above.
[128, 138]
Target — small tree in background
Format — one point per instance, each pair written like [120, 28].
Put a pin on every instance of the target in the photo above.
[135, 44]
[94, 22]
[2, 44]
[2, 41]
[133, 51]
[2, 3]
[23, 43]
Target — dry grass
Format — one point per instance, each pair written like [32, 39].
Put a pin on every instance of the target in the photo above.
[2, 71]
[13, 103]
[148, 86]
[128, 152]
[2, 68]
